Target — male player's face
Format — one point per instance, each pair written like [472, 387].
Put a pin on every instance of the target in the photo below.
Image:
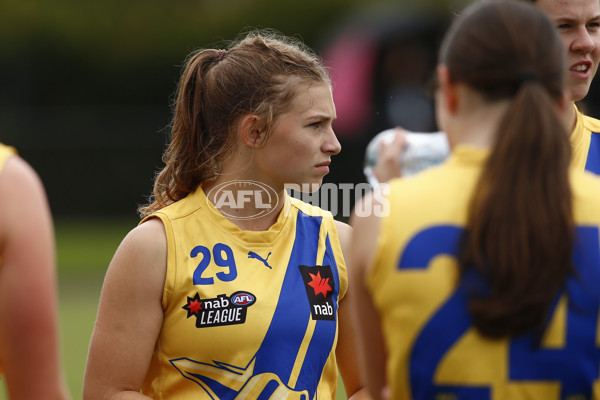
[578, 23]
[300, 147]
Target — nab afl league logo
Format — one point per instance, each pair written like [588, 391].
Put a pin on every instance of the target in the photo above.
[319, 285]
[232, 197]
[221, 310]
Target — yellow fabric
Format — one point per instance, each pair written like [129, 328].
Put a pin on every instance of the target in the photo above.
[5, 153]
[581, 139]
[408, 299]
[279, 346]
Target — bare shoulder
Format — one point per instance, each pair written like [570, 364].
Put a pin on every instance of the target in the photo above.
[25, 213]
[148, 236]
[146, 241]
[344, 231]
[17, 168]
[370, 208]
[365, 221]
[141, 256]
[20, 184]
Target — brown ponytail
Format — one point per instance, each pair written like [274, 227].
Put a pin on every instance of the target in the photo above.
[520, 228]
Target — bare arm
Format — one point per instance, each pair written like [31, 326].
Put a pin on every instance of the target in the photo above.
[346, 351]
[130, 316]
[371, 349]
[29, 342]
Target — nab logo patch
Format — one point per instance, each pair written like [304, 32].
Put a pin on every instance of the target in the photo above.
[319, 285]
[221, 310]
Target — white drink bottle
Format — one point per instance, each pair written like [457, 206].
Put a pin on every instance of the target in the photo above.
[422, 151]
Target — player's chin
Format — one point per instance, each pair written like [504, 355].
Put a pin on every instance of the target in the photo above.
[306, 185]
[312, 185]
[578, 92]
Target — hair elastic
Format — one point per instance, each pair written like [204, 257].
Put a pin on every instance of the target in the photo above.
[219, 54]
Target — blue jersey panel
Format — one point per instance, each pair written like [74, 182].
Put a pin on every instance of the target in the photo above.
[592, 163]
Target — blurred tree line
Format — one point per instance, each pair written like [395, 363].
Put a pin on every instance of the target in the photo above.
[85, 87]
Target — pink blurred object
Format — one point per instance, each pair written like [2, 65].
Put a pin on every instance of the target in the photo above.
[351, 61]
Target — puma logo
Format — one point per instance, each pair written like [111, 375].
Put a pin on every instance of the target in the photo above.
[252, 254]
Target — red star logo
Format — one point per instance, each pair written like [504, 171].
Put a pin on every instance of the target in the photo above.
[319, 284]
[193, 306]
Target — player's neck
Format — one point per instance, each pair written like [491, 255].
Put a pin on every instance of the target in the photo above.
[570, 117]
[249, 204]
[476, 123]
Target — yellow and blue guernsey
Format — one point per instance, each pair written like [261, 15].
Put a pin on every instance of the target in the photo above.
[585, 140]
[434, 352]
[248, 315]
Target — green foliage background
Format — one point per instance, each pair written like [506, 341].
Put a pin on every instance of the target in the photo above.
[85, 87]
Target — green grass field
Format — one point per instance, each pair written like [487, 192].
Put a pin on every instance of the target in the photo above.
[84, 250]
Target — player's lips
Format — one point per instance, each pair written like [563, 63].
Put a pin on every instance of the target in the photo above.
[324, 166]
[582, 69]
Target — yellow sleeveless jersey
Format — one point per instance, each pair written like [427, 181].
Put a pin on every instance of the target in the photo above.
[5, 153]
[248, 315]
[433, 351]
[585, 140]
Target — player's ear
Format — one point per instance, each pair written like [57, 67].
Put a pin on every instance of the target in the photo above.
[253, 133]
[447, 88]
